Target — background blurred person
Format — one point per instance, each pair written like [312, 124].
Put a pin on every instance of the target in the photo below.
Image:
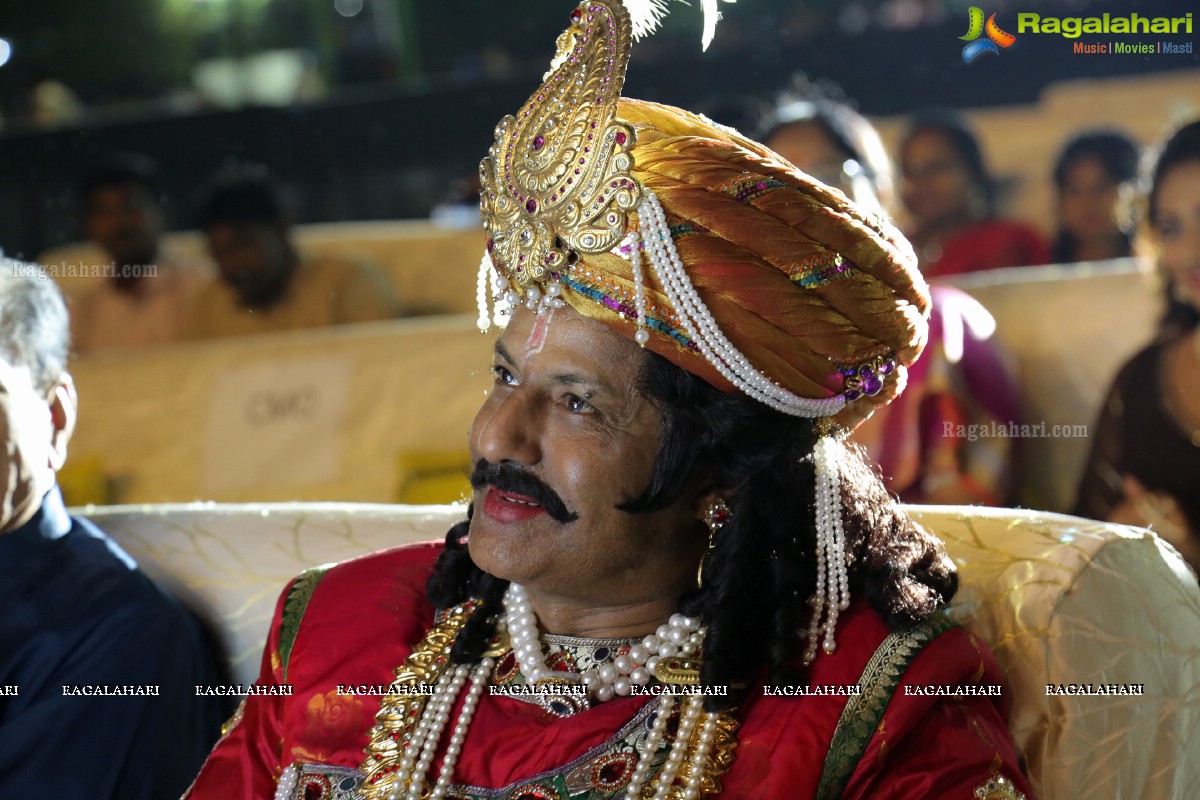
[267, 284]
[459, 206]
[962, 378]
[1144, 467]
[814, 127]
[951, 200]
[52, 103]
[82, 626]
[142, 295]
[1094, 176]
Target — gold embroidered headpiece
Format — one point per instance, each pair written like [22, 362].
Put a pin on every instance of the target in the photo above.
[705, 246]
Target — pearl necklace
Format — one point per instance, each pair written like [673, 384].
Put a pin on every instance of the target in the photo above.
[680, 636]
[410, 774]
[418, 756]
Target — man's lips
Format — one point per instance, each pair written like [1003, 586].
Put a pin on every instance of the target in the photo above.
[515, 486]
[508, 507]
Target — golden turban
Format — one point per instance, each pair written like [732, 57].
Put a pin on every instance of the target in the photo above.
[821, 299]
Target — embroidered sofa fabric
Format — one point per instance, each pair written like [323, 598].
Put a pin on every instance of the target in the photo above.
[1066, 603]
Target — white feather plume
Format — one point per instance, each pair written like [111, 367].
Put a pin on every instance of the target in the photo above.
[711, 15]
[646, 15]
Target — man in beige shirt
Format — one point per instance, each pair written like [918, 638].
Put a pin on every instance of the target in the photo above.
[266, 284]
[142, 293]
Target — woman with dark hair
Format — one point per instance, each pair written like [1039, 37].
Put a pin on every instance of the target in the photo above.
[1144, 467]
[1093, 178]
[951, 202]
[815, 127]
[674, 580]
[962, 378]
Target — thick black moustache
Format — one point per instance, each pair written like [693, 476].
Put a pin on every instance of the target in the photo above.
[517, 480]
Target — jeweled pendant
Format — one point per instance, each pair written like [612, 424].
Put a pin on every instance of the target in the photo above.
[561, 697]
[678, 671]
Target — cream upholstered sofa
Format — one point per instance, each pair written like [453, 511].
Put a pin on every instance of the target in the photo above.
[1062, 601]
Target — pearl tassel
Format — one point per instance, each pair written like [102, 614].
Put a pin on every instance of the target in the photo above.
[833, 584]
[501, 305]
[483, 322]
[506, 298]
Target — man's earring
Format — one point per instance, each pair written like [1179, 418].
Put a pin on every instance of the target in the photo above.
[715, 517]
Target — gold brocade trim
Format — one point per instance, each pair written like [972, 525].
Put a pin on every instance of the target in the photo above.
[863, 712]
[294, 606]
[998, 788]
[401, 708]
[228, 725]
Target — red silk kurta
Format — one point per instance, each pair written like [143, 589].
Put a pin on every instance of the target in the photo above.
[357, 622]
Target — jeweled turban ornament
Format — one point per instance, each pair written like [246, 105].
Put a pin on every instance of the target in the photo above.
[557, 179]
[707, 248]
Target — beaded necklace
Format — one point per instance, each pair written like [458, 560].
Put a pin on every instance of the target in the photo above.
[410, 725]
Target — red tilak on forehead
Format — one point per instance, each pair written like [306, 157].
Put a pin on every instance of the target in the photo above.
[537, 334]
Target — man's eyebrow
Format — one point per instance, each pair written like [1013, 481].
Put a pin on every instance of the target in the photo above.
[593, 382]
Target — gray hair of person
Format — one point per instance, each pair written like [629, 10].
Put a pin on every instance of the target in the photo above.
[35, 330]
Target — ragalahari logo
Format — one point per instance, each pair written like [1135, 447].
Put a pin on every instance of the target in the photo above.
[996, 38]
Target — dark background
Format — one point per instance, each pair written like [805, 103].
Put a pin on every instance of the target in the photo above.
[413, 109]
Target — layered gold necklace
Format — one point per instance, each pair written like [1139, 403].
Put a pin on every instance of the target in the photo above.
[415, 713]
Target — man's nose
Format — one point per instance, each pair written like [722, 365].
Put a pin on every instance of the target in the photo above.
[508, 428]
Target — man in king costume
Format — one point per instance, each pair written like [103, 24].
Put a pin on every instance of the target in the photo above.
[674, 580]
